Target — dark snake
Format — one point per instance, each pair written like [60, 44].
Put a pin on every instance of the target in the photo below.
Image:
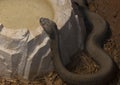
[107, 67]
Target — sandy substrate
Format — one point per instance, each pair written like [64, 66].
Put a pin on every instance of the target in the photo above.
[17, 14]
[110, 11]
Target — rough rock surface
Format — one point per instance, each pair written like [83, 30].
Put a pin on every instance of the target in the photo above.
[26, 53]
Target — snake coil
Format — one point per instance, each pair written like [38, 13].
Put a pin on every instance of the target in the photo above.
[107, 68]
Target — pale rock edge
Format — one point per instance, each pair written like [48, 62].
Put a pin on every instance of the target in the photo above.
[26, 53]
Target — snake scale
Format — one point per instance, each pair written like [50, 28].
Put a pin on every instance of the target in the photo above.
[93, 48]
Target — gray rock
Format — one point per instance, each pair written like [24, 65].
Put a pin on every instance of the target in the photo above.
[26, 53]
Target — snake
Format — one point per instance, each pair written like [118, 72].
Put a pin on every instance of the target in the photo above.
[107, 67]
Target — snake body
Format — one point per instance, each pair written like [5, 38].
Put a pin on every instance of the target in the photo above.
[107, 68]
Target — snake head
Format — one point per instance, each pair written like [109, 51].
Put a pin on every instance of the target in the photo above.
[49, 27]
